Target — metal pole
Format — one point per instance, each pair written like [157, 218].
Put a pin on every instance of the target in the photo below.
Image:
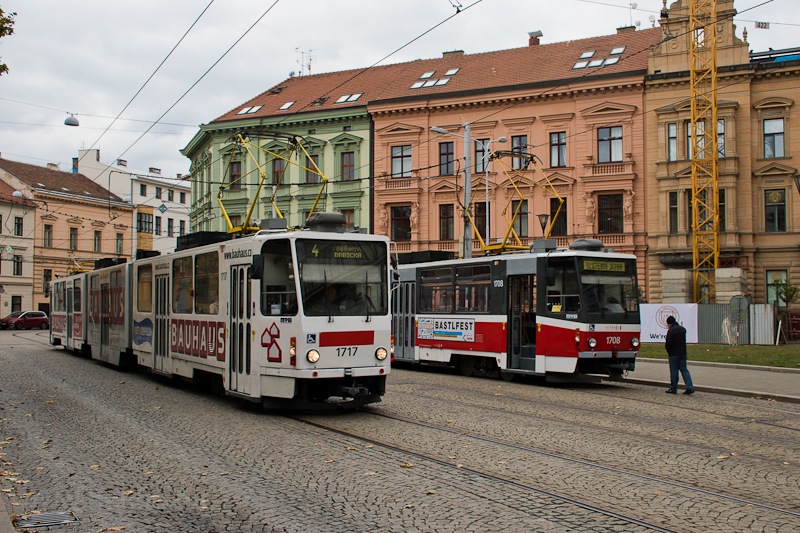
[486, 170]
[467, 192]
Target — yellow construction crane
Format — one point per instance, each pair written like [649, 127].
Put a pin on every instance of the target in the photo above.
[703, 127]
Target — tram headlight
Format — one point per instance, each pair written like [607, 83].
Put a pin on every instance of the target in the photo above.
[592, 342]
[635, 342]
[312, 356]
[381, 354]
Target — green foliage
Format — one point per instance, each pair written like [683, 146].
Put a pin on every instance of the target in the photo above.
[782, 356]
[786, 291]
[6, 28]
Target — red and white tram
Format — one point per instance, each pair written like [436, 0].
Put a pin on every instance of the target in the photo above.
[559, 313]
[300, 315]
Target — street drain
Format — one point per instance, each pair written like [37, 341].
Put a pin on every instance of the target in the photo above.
[56, 518]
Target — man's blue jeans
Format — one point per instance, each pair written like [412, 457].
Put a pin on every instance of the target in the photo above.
[679, 364]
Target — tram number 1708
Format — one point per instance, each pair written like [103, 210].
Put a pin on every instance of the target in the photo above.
[349, 351]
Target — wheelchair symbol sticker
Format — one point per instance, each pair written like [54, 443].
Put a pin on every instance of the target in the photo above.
[311, 338]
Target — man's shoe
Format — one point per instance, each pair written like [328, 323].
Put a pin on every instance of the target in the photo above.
[670, 391]
[688, 391]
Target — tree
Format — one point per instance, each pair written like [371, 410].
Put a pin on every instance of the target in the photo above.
[6, 28]
[786, 291]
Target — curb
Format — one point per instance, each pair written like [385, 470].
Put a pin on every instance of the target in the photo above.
[781, 369]
[718, 390]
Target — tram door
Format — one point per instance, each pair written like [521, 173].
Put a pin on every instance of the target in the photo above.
[105, 320]
[161, 327]
[239, 341]
[404, 316]
[70, 308]
[522, 322]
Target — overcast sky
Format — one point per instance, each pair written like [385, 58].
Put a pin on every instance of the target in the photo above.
[89, 57]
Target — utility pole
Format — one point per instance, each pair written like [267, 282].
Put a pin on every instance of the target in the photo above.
[468, 192]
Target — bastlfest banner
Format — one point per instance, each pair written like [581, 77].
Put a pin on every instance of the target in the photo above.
[654, 321]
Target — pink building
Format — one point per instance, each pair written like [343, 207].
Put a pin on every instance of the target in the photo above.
[578, 106]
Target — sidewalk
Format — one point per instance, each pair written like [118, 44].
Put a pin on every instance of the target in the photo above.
[781, 384]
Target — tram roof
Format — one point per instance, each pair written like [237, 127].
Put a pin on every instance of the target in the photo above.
[520, 256]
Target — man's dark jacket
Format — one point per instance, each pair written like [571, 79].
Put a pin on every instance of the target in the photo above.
[676, 341]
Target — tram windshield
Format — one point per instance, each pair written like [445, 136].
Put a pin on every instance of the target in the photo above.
[342, 278]
[609, 288]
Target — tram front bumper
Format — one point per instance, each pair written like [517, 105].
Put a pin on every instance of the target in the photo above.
[325, 373]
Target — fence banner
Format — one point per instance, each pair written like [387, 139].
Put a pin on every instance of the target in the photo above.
[654, 321]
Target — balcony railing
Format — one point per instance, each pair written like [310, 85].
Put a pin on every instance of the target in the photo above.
[397, 183]
[609, 169]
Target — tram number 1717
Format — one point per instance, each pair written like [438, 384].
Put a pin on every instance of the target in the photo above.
[349, 351]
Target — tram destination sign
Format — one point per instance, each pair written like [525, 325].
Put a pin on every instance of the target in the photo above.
[447, 329]
[606, 266]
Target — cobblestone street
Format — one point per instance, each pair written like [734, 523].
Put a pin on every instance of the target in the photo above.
[440, 453]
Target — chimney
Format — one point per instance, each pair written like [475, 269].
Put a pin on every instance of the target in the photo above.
[122, 163]
[454, 53]
[534, 37]
[626, 29]
[52, 166]
[180, 176]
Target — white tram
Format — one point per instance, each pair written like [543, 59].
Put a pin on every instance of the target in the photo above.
[300, 315]
[563, 314]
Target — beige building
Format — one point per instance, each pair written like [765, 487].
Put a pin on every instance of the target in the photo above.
[758, 204]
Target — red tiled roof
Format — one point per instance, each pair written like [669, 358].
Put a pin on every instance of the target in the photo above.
[38, 177]
[500, 70]
[6, 195]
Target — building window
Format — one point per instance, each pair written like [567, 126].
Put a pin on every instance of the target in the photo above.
[480, 218]
[278, 170]
[401, 161]
[119, 243]
[721, 204]
[609, 213]
[142, 189]
[170, 195]
[157, 229]
[348, 166]
[446, 159]
[721, 137]
[775, 211]
[158, 193]
[47, 277]
[701, 139]
[773, 138]
[609, 145]
[183, 227]
[560, 226]
[144, 222]
[48, 236]
[401, 223]
[446, 222]
[97, 240]
[236, 220]
[236, 175]
[349, 219]
[521, 222]
[312, 166]
[17, 271]
[775, 278]
[16, 304]
[18, 226]
[170, 229]
[672, 142]
[558, 149]
[183, 197]
[673, 212]
[73, 238]
[519, 144]
[481, 155]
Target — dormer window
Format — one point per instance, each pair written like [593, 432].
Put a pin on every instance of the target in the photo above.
[287, 105]
[319, 101]
[427, 75]
[418, 84]
[276, 90]
[452, 71]
[244, 110]
[443, 81]
[588, 54]
[611, 61]
[595, 62]
[248, 110]
[430, 83]
[580, 64]
[618, 50]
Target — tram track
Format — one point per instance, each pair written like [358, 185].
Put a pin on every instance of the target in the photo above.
[487, 475]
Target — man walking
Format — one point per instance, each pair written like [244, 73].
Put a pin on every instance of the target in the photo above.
[676, 349]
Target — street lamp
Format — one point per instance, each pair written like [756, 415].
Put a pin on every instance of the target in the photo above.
[543, 221]
[71, 121]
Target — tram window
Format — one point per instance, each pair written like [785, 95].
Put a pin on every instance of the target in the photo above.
[473, 289]
[278, 294]
[563, 296]
[436, 290]
[206, 282]
[144, 289]
[63, 296]
[76, 295]
[182, 285]
[94, 295]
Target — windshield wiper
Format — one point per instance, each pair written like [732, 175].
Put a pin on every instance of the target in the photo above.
[324, 296]
[367, 301]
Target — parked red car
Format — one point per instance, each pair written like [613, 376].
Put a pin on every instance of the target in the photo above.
[25, 320]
